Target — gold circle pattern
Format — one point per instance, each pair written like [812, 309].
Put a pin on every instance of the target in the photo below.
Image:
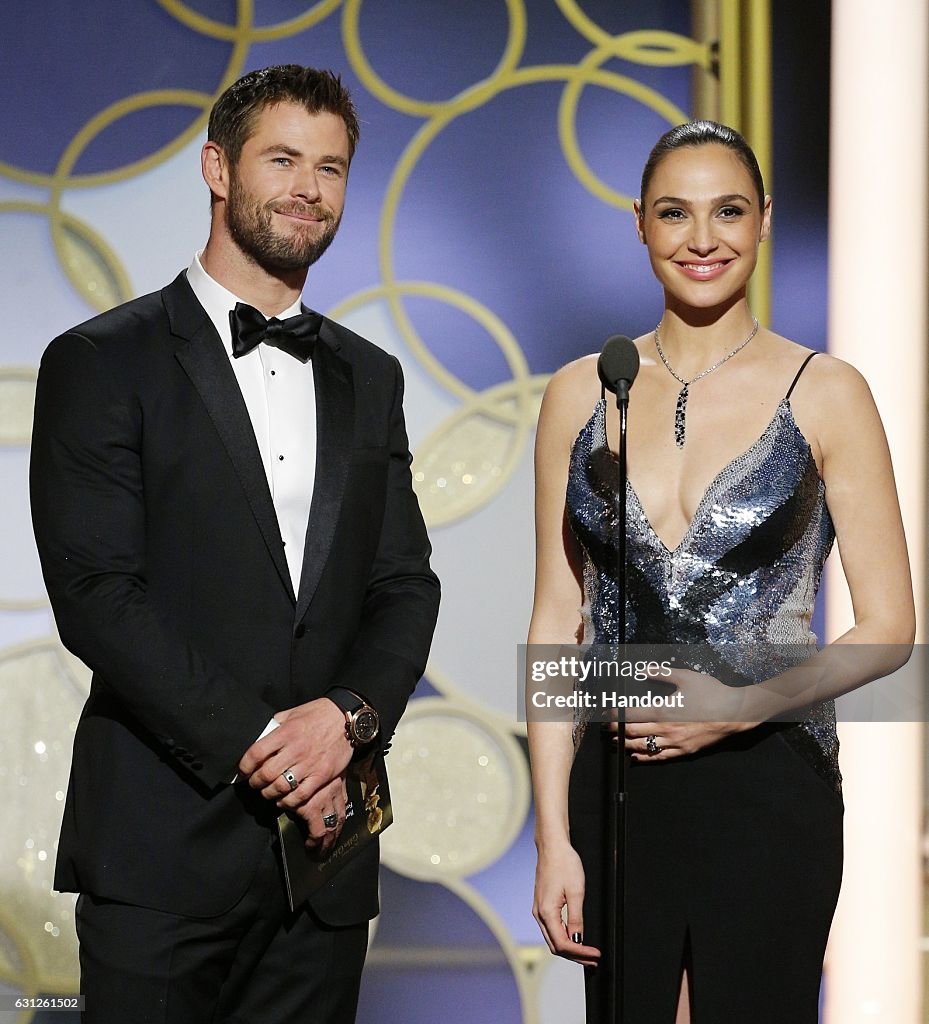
[89, 262]
[45, 691]
[567, 121]
[62, 178]
[17, 399]
[513, 51]
[453, 476]
[469, 784]
[243, 28]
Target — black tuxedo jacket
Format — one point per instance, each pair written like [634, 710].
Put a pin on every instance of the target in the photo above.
[166, 572]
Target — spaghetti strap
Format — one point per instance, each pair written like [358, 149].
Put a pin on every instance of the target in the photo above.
[802, 368]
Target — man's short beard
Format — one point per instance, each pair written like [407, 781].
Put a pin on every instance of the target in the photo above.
[251, 228]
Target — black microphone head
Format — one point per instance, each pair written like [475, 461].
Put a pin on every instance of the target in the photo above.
[619, 360]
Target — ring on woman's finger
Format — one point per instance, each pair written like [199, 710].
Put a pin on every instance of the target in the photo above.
[331, 820]
[652, 745]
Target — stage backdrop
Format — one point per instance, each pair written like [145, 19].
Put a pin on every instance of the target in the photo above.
[488, 239]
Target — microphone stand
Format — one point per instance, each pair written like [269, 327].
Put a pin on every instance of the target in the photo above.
[616, 935]
[617, 368]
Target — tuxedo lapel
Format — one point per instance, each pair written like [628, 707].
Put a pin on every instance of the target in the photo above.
[335, 416]
[205, 361]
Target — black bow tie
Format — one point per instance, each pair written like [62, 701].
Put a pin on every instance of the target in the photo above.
[296, 335]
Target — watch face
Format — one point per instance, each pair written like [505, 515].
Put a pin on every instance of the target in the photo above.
[365, 725]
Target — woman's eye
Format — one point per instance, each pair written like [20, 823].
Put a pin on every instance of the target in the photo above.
[731, 211]
[671, 214]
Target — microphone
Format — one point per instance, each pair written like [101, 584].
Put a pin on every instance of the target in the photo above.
[618, 365]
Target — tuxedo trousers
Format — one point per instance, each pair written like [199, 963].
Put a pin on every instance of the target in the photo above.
[258, 963]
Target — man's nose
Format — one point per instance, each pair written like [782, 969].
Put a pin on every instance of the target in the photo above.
[305, 185]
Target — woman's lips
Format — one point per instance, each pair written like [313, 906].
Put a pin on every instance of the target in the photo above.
[697, 271]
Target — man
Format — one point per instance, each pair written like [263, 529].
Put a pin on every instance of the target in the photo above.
[230, 540]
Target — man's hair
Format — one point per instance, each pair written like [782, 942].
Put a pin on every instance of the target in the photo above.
[702, 133]
[233, 117]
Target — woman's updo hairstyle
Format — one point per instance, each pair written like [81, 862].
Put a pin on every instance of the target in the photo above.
[702, 133]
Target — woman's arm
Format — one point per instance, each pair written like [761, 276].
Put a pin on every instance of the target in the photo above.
[862, 498]
[835, 410]
[556, 620]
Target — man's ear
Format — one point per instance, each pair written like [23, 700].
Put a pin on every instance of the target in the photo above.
[215, 169]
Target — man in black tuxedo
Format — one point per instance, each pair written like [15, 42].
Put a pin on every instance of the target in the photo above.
[230, 540]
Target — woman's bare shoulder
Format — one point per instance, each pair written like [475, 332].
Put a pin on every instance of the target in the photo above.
[576, 384]
[827, 396]
[570, 397]
[573, 391]
[827, 378]
[576, 373]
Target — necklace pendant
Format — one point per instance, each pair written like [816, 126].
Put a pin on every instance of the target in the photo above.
[680, 410]
[680, 417]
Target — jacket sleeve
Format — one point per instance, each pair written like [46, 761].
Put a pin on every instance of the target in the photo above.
[401, 605]
[86, 487]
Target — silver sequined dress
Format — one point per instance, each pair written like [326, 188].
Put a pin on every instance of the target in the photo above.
[746, 572]
[733, 855]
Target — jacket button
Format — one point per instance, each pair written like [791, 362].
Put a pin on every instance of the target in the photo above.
[299, 631]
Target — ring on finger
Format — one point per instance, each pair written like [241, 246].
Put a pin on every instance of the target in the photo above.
[652, 745]
[290, 779]
[331, 820]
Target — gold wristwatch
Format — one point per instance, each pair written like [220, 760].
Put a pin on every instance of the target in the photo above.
[362, 724]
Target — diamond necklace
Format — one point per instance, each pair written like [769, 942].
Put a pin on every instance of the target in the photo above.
[680, 410]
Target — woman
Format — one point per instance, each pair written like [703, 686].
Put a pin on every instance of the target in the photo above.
[746, 457]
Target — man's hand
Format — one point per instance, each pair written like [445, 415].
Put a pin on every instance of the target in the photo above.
[326, 802]
[310, 742]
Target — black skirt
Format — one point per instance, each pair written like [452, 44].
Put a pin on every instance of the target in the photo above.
[733, 867]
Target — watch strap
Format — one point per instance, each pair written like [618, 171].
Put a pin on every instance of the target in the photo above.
[346, 700]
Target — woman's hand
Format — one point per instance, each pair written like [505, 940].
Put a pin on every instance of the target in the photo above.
[559, 884]
[706, 713]
[663, 741]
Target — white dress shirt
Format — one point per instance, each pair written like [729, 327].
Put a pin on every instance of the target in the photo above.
[281, 402]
